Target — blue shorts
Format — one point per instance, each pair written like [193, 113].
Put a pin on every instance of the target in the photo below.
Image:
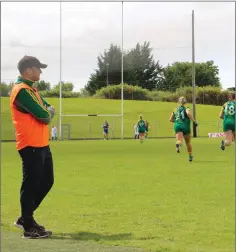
[105, 131]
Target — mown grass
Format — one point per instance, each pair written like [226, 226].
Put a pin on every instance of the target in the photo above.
[157, 113]
[124, 196]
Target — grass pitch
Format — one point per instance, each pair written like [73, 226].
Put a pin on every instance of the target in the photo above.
[121, 196]
[157, 113]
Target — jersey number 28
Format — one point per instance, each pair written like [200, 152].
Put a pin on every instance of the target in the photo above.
[230, 110]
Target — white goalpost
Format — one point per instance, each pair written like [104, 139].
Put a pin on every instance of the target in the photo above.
[61, 114]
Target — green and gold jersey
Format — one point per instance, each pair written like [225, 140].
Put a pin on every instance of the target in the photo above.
[180, 115]
[27, 102]
[229, 111]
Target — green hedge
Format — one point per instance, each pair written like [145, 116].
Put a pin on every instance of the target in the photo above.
[56, 93]
[204, 95]
[130, 92]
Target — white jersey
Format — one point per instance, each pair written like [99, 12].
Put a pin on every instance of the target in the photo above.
[136, 129]
[54, 131]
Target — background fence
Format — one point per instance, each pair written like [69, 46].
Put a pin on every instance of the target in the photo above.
[158, 129]
[87, 129]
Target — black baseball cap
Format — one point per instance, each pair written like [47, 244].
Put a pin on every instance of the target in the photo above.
[28, 62]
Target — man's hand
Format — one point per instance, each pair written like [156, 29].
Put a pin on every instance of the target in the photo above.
[196, 124]
[52, 111]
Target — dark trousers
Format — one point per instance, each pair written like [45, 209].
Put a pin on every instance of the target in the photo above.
[38, 178]
[136, 136]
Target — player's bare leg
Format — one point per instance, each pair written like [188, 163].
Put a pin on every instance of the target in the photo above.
[229, 136]
[179, 140]
[141, 137]
[187, 139]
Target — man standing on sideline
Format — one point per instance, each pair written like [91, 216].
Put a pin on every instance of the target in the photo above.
[54, 133]
[31, 115]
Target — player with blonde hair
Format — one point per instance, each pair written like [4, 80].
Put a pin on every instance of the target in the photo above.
[141, 128]
[227, 113]
[181, 118]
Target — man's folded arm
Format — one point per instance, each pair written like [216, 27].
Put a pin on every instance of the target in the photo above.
[27, 102]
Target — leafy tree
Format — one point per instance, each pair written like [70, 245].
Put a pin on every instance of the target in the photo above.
[139, 68]
[5, 88]
[42, 85]
[179, 74]
[66, 86]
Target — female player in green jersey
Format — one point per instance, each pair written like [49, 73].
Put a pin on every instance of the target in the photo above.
[181, 118]
[141, 128]
[227, 113]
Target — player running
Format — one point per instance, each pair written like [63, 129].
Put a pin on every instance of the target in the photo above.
[181, 118]
[141, 128]
[227, 113]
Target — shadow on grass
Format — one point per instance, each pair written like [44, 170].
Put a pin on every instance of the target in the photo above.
[88, 236]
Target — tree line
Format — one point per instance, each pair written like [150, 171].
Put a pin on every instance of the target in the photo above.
[139, 69]
[45, 88]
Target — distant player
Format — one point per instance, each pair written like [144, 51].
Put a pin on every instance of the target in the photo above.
[181, 118]
[227, 113]
[54, 133]
[147, 128]
[105, 130]
[141, 129]
[136, 134]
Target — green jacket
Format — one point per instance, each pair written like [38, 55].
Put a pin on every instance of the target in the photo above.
[26, 103]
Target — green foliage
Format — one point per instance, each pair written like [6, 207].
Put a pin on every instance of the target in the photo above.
[45, 89]
[204, 95]
[56, 93]
[130, 92]
[42, 85]
[179, 75]
[142, 70]
[109, 69]
[163, 96]
[139, 68]
[66, 86]
[212, 95]
[84, 92]
[5, 89]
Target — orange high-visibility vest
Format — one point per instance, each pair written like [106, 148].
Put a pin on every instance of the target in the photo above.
[28, 130]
